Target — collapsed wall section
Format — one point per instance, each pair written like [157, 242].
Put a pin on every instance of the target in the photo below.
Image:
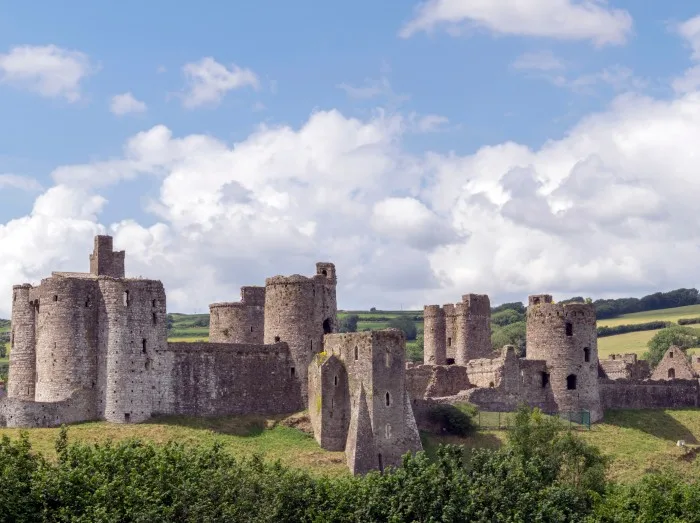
[22, 372]
[217, 379]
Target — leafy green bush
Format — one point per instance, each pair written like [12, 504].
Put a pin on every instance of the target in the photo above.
[682, 337]
[406, 325]
[688, 321]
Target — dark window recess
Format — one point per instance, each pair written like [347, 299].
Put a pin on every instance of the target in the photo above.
[586, 354]
[545, 379]
[571, 382]
[569, 329]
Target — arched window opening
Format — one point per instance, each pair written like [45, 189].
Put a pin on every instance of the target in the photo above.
[586, 354]
[671, 374]
[326, 326]
[545, 379]
[571, 382]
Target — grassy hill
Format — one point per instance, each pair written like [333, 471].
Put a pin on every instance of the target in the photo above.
[636, 441]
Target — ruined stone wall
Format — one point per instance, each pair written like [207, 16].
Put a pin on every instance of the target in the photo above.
[484, 372]
[104, 261]
[565, 337]
[217, 379]
[329, 402]
[418, 378]
[239, 322]
[66, 349]
[434, 335]
[649, 394]
[22, 370]
[18, 413]
[675, 364]
[298, 311]
[447, 380]
[625, 366]
[133, 327]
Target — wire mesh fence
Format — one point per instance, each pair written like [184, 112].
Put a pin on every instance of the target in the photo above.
[579, 420]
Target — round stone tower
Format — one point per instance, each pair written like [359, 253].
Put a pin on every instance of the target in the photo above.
[299, 311]
[22, 344]
[239, 322]
[565, 337]
[133, 327]
[434, 339]
[66, 345]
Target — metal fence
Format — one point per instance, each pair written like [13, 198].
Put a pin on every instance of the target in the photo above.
[580, 420]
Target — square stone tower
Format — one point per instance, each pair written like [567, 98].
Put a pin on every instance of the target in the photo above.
[104, 261]
[358, 400]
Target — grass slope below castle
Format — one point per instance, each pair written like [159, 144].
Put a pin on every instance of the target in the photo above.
[637, 442]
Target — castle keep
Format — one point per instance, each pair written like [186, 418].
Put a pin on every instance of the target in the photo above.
[90, 346]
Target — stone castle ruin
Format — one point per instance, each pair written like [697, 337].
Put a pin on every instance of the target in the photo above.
[93, 346]
[560, 373]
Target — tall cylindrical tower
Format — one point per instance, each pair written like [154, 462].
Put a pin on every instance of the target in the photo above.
[22, 373]
[565, 337]
[292, 316]
[239, 322]
[450, 329]
[66, 348]
[461, 313]
[434, 343]
[132, 327]
[478, 326]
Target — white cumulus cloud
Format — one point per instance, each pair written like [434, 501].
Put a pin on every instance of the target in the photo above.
[557, 19]
[208, 81]
[126, 103]
[48, 70]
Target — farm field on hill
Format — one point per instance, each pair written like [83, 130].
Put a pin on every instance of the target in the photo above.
[674, 314]
[636, 441]
[635, 342]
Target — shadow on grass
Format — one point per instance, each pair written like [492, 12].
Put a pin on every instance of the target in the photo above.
[657, 423]
[478, 440]
[243, 426]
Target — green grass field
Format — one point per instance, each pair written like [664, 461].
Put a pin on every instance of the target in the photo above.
[635, 441]
[689, 311]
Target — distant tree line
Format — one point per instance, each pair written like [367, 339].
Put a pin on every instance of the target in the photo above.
[651, 302]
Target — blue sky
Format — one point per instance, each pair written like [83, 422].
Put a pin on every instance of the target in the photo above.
[507, 77]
